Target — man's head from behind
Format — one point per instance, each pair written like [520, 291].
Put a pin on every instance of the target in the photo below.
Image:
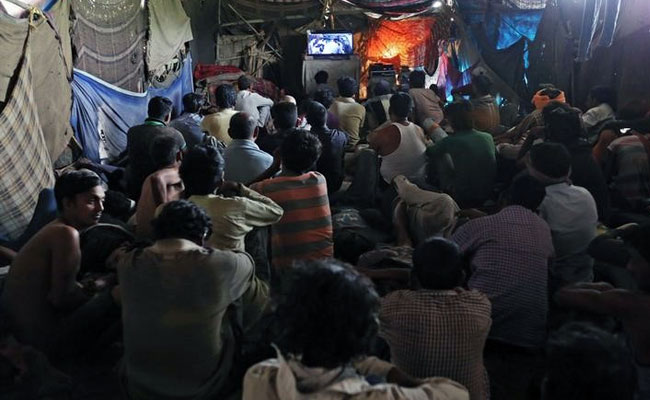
[438, 264]
[381, 87]
[321, 77]
[602, 94]
[160, 108]
[587, 363]
[417, 79]
[242, 126]
[202, 170]
[300, 150]
[563, 122]
[182, 219]
[400, 106]
[225, 96]
[244, 82]
[79, 198]
[165, 151]
[285, 115]
[316, 114]
[326, 313]
[459, 114]
[192, 103]
[325, 96]
[347, 86]
[550, 163]
[543, 97]
[527, 192]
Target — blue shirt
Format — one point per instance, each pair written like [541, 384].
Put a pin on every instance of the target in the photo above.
[245, 161]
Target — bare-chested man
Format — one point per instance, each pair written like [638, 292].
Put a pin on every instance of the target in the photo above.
[41, 290]
[632, 308]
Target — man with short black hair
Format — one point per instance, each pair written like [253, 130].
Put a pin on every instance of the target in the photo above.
[321, 77]
[217, 124]
[305, 231]
[189, 123]
[139, 139]
[41, 293]
[330, 162]
[325, 96]
[426, 104]
[325, 322]
[251, 102]
[464, 163]
[349, 113]
[176, 295]
[162, 186]
[234, 208]
[401, 144]
[569, 210]
[244, 159]
[486, 110]
[285, 118]
[438, 328]
[377, 105]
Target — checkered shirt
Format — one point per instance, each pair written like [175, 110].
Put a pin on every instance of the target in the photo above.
[25, 165]
[509, 258]
[439, 333]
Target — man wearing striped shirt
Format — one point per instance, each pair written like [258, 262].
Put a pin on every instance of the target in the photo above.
[305, 230]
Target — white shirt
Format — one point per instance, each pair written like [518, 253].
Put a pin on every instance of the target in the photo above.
[250, 103]
[570, 212]
[279, 379]
[597, 114]
[409, 158]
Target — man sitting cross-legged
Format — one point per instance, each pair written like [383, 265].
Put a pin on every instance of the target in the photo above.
[244, 159]
[325, 320]
[330, 163]
[235, 209]
[440, 329]
[305, 230]
[175, 298]
[45, 304]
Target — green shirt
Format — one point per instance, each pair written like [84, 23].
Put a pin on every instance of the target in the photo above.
[470, 176]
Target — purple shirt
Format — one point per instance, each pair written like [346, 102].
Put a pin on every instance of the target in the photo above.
[509, 260]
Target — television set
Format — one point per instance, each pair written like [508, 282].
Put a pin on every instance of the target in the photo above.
[329, 43]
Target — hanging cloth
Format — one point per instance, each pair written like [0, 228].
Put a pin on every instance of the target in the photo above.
[25, 164]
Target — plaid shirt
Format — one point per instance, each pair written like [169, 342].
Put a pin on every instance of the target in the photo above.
[25, 164]
[510, 252]
[439, 333]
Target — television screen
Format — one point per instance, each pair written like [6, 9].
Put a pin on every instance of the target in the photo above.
[329, 43]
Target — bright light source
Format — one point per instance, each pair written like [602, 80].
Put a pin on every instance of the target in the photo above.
[437, 4]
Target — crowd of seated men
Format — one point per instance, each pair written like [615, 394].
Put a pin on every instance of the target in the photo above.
[400, 248]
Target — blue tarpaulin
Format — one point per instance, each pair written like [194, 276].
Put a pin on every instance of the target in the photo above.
[103, 113]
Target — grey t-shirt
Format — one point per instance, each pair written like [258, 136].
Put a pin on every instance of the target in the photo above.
[174, 298]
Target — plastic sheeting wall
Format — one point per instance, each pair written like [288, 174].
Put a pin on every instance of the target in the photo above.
[103, 113]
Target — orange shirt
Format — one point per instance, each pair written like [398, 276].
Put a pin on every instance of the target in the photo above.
[305, 230]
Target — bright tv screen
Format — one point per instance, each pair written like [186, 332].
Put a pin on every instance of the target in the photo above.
[329, 43]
